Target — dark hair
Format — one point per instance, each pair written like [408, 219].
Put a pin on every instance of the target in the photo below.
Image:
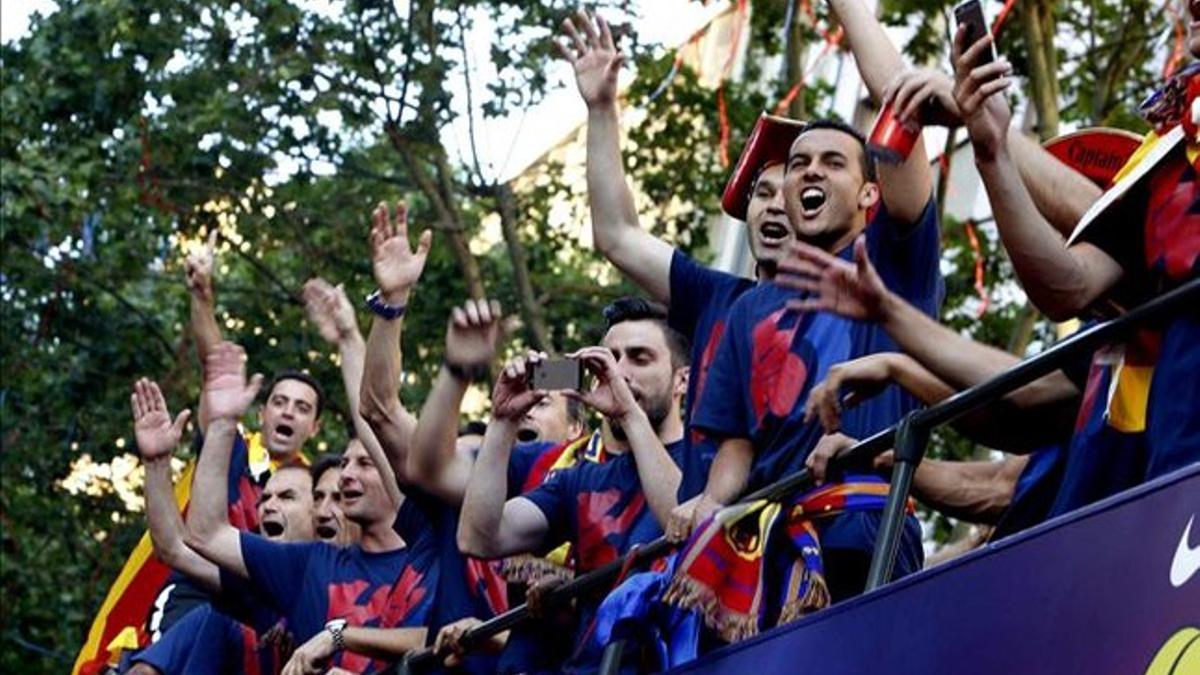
[299, 376]
[865, 161]
[576, 413]
[633, 308]
[322, 464]
[473, 428]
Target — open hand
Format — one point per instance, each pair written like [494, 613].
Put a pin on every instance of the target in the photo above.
[396, 265]
[588, 46]
[853, 291]
[156, 435]
[685, 517]
[227, 394]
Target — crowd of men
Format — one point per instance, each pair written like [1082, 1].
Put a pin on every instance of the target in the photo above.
[707, 387]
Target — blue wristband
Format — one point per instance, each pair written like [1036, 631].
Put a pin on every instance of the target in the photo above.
[376, 304]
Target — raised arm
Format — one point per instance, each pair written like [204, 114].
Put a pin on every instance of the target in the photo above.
[490, 526]
[857, 291]
[397, 268]
[331, 311]
[202, 299]
[906, 187]
[227, 395]
[1061, 194]
[1061, 281]
[472, 337]
[157, 437]
[612, 397]
[642, 257]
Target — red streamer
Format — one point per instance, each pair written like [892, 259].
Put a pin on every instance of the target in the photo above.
[977, 252]
[1008, 5]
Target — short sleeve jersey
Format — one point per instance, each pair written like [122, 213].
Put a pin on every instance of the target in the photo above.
[602, 511]
[770, 356]
[312, 583]
[700, 302]
[468, 586]
[1154, 235]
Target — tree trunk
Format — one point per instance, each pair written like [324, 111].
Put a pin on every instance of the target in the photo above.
[531, 309]
[450, 220]
[794, 63]
[1037, 18]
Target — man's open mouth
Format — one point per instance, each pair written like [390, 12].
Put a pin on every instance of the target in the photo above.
[774, 232]
[527, 435]
[284, 430]
[812, 200]
[348, 495]
[326, 531]
[272, 529]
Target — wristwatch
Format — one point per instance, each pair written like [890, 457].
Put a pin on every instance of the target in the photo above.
[335, 628]
[376, 304]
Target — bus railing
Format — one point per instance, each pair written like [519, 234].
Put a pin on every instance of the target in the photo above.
[909, 437]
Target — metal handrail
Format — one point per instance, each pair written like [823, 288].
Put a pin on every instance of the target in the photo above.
[916, 427]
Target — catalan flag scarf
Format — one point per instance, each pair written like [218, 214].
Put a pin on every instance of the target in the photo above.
[721, 569]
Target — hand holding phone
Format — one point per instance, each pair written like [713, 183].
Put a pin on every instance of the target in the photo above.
[556, 374]
[970, 14]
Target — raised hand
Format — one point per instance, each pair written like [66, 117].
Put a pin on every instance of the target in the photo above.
[227, 394]
[925, 96]
[396, 265]
[610, 394]
[199, 268]
[474, 334]
[512, 397]
[860, 378]
[854, 291]
[979, 93]
[588, 46]
[330, 310]
[157, 436]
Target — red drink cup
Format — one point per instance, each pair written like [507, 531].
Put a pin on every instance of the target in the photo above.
[891, 141]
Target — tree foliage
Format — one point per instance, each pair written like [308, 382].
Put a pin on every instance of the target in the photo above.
[132, 129]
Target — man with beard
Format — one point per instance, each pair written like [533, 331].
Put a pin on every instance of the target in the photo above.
[605, 509]
[1140, 240]
[210, 639]
[318, 588]
[698, 298]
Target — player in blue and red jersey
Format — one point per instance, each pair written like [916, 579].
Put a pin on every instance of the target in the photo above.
[602, 509]
[1146, 240]
[697, 296]
[386, 580]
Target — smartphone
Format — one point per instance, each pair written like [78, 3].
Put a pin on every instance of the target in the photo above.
[970, 14]
[556, 374]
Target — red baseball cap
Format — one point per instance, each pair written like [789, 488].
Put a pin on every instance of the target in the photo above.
[769, 143]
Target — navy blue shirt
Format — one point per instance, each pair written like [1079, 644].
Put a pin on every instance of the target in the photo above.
[700, 302]
[770, 357]
[311, 583]
[602, 511]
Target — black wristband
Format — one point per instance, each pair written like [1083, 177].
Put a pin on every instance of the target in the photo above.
[465, 373]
